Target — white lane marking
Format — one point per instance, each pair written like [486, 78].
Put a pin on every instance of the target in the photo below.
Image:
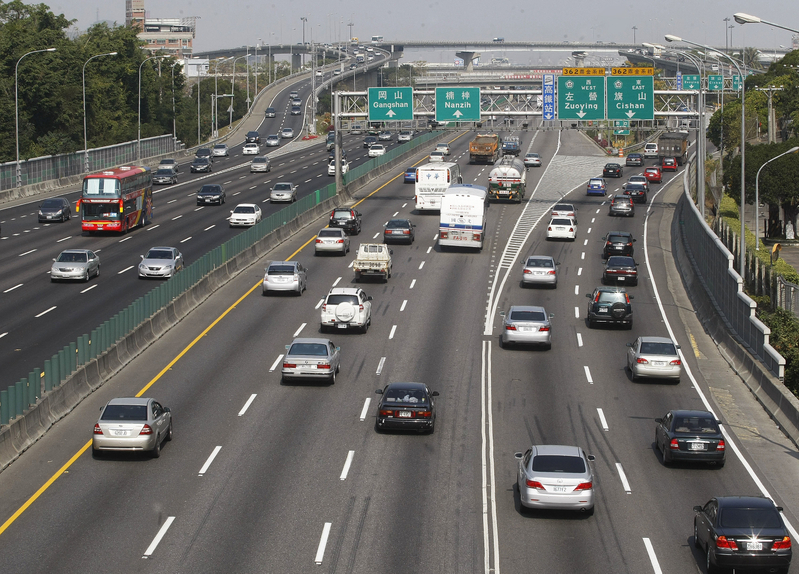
[209, 461]
[247, 405]
[413, 283]
[585, 242]
[211, 227]
[579, 340]
[390, 335]
[365, 408]
[576, 289]
[347, 463]
[154, 544]
[235, 194]
[177, 217]
[376, 235]
[582, 256]
[89, 288]
[402, 307]
[623, 478]
[125, 269]
[3, 334]
[487, 454]
[253, 187]
[380, 365]
[404, 204]
[351, 264]
[435, 237]
[589, 231]
[128, 238]
[650, 550]
[579, 271]
[149, 229]
[298, 331]
[597, 211]
[45, 312]
[603, 421]
[64, 239]
[320, 552]
[576, 312]
[227, 182]
[336, 281]
[429, 249]
[27, 252]
[171, 201]
[275, 364]
[396, 213]
[588, 374]
[17, 286]
[421, 265]
[185, 240]
[319, 304]
[593, 219]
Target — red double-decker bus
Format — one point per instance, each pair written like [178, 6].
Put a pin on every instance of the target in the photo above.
[117, 199]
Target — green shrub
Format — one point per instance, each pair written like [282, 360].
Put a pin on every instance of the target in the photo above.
[785, 340]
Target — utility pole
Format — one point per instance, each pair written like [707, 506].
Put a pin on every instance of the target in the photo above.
[302, 54]
[350, 25]
[634, 29]
[726, 44]
[772, 132]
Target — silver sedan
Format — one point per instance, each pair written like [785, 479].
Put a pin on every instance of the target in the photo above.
[527, 325]
[283, 191]
[654, 357]
[540, 270]
[332, 240]
[132, 424]
[160, 262]
[285, 276]
[556, 476]
[311, 358]
[77, 264]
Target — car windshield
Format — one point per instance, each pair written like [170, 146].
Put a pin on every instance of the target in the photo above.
[259, 160]
[210, 189]
[651, 348]
[621, 262]
[200, 160]
[534, 262]
[749, 518]
[158, 254]
[330, 233]
[72, 258]
[558, 463]
[314, 349]
[612, 297]
[338, 299]
[52, 203]
[280, 270]
[407, 396]
[244, 209]
[527, 316]
[164, 172]
[125, 413]
[282, 187]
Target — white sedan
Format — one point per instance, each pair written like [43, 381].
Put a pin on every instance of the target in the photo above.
[221, 150]
[245, 215]
[287, 133]
[251, 149]
[562, 228]
[331, 167]
[377, 150]
[436, 155]
[443, 147]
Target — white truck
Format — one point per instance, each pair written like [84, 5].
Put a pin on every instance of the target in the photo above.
[508, 179]
[373, 259]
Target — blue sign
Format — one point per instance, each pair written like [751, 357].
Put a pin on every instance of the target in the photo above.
[549, 96]
[679, 80]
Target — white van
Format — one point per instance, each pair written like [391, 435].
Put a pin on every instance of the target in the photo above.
[650, 150]
[432, 180]
[463, 216]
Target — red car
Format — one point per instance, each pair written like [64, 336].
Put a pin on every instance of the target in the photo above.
[669, 164]
[653, 175]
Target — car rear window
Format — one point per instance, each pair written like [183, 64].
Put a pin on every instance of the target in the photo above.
[330, 233]
[563, 207]
[617, 239]
[621, 262]
[695, 425]
[560, 221]
[595, 182]
[407, 396]
[557, 463]
[658, 348]
[749, 518]
[397, 223]
[337, 299]
[280, 270]
[342, 215]
[532, 262]
[612, 297]
[244, 209]
[125, 413]
[527, 316]
[313, 349]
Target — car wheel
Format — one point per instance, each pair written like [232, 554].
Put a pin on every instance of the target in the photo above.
[710, 567]
[333, 378]
[591, 324]
[98, 272]
[696, 537]
[169, 432]
[156, 452]
[86, 277]
[365, 327]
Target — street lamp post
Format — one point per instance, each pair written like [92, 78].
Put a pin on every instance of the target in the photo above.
[233, 87]
[138, 137]
[634, 29]
[16, 107]
[742, 254]
[726, 35]
[256, 66]
[174, 127]
[85, 137]
[742, 19]
[757, 194]
[302, 54]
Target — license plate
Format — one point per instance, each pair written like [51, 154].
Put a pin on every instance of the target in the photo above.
[620, 278]
[49, 217]
[603, 309]
[404, 414]
[697, 446]
[559, 489]
[503, 192]
[754, 546]
[208, 200]
[397, 232]
[342, 325]
[528, 329]
[659, 363]
[119, 432]
[540, 273]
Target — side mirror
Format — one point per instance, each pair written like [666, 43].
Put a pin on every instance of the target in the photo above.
[434, 394]
[557, 262]
[391, 252]
[369, 298]
[379, 391]
[167, 410]
[338, 348]
[518, 455]
[288, 347]
[634, 240]
[658, 420]
[631, 296]
[629, 344]
[588, 295]
[552, 315]
[142, 256]
[591, 457]
[697, 509]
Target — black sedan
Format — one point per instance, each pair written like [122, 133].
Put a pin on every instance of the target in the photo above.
[618, 243]
[636, 191]
[690, 436]
[620, 269]
[201, 164]
[635, 159]
[211, 193]
[406, 406]
[398, 230]
[55, 209]
[612, 170]
[744, 533]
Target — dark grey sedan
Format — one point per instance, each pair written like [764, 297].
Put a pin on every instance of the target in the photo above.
[406, 406]
[211, 193]
[165, 175]
[691, 436]
[55, 209]
[399, 230]
[201, 164]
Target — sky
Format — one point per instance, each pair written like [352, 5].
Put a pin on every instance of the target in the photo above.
[233, 23]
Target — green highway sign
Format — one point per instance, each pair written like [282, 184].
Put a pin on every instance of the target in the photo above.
[631, 98]
[715, 83]
[621, 132]
[390, 104]
[622, 123]
[581, 97]
[736, 83]
[457, 104]
[691, 81]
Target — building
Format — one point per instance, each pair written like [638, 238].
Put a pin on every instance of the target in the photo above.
[173, 36]
[134, 14]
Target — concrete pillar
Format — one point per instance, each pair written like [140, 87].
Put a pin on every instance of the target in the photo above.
[296, 62]
[468, 59]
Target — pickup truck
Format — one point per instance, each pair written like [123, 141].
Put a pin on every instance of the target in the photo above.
[373, 259]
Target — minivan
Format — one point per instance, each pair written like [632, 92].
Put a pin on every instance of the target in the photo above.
[650, 150]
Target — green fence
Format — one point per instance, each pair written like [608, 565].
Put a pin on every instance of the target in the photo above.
[24, 393]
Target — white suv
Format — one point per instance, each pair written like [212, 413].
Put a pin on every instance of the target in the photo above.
[346, 307]
[650, 150]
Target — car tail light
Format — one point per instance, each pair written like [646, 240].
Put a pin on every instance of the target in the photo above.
[674, 445]
[549, 228]
[641, 361]
[630, 244]
[319, 241]
[423, 414]
[722, 445]
[146, 429]
[596, 299]
[571, 215]
[360, 307]
[627, 297]
[323, 366]
[339, 241]
[97, 429]
[475, 236]
[534, 484]
[406, 231]
[386, 413]
[571, 229]
[443, 235]
[584, 486]
[783, 544]
[543, 329]
[417, 175]
[289, 366]
[448, 176]
[676, 363]
[510, 327]
[528, 272]
[722, 542]
[552, 272]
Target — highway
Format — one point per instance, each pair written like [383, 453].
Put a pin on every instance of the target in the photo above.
[266, 477]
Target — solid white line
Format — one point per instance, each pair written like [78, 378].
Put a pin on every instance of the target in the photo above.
[579, 271]
[576, 289]
[274, 365]
[247, 405]
[210, 460]
[336, 281]
[402, 307]
[298, 331]
[602, 419]
[347, 464]
[413, 283]
[150, 228]
[154, 544]
[579, 340]
[125, 269]
[26, 253]
[623, 478]
[380, 365]
[185, 240]
[319, 304]
[365, 408]
[320, 552]
[17, 286]
[89, 288]
[64, 239]
[393, 330]
[45, 312]
[211, 227]
[576, 312]
[588, 374]
[650, 550]
[421, 265]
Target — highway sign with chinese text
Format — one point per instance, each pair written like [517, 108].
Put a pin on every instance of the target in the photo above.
[631, 98]
[457, 104]
[583, 71]
[679, 80]
[390, 104]
[581, 98]
[621, 132]
[715, 83]
[548, 110]
[691, 81]
[621, 124]
[632, 71]
[736, 83]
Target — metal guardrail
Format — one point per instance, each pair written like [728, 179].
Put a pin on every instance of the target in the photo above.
[787, 296]
[19, 396]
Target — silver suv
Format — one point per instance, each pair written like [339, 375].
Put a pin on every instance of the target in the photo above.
[346, 307]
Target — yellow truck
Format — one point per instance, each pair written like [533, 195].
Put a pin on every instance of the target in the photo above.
[484, 148]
